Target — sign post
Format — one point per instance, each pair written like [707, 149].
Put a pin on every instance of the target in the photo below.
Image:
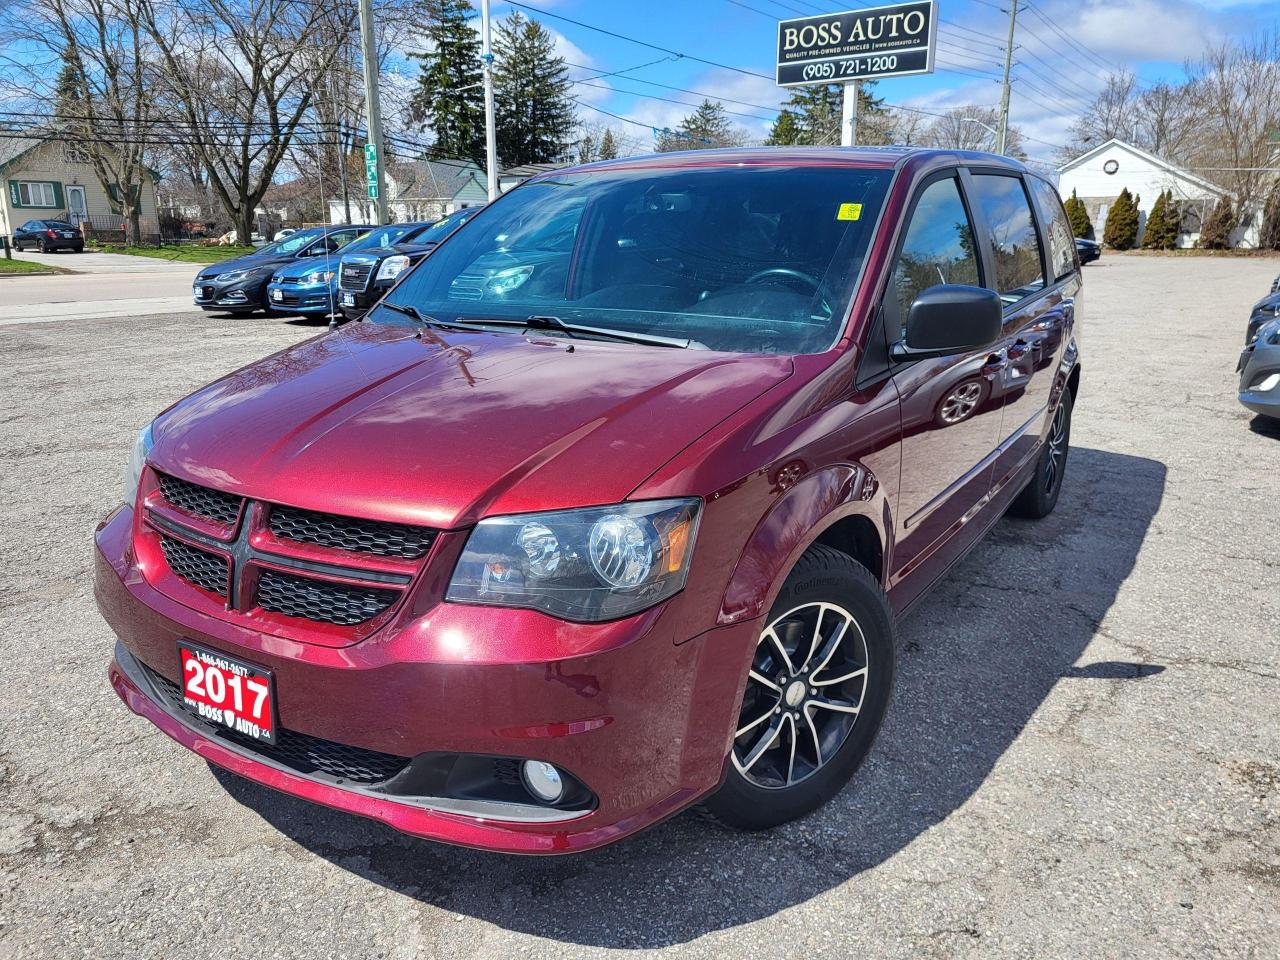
[855, 45]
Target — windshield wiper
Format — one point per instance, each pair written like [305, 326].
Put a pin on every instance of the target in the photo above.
[537, 322]
[421, 318]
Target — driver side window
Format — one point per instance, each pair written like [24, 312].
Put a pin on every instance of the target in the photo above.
[939, 246]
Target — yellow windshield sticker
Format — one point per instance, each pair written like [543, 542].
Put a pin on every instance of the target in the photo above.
[849, 211]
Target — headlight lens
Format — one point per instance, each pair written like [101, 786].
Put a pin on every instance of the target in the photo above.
[504, 281]
[598, 563]
[137, 460]
[319, 276]
[392, 267]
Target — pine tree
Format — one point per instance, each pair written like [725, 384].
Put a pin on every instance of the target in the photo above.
[1215, 234]
[535, 115]
[1156, 235]
[449, 100]
[818, 110]
[586, 147]
[69, 105]
[705, 128]
[1081, 225]
[785, 132]
[608, 146]
[1121, 231]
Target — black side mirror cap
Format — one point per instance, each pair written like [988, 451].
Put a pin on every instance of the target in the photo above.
[950, 318]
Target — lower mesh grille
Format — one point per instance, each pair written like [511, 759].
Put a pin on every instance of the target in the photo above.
[206, 570]
[321, 600]
[297, 751]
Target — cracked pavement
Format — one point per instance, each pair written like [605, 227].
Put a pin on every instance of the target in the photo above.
[1082, 759]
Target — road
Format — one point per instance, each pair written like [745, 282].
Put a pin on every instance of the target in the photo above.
[1082, 759]
[104, 285]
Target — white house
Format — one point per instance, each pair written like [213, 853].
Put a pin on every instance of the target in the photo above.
[1098, 176]
[421, 190]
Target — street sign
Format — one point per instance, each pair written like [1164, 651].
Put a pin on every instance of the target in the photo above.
[371, 169]
[867, 44]
[373, 189]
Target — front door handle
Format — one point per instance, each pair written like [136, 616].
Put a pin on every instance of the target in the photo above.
[995, 363]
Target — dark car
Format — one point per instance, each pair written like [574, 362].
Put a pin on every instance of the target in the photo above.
[1259, 369]
[48, 236]
[611, 505]
[239, 286]
[365, 275]
[1089, 250]
[1264, 311]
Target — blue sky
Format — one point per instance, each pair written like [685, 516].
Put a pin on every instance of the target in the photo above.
[1150, 37]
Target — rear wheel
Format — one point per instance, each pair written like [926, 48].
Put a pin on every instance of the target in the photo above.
[42, 247]
[1040, 496]
[17, 246]
[817, 691]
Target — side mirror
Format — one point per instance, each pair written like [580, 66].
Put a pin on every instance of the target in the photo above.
[950, 318]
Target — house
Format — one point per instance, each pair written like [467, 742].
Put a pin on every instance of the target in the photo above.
[1098, 176]
[420, 190]
[47, 179]
[514, 176]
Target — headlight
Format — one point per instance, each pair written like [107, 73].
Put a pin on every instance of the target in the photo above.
[319, 276]
[234, 276]
[137, 460]
[598, 563]
[392, 267]
[504, 281]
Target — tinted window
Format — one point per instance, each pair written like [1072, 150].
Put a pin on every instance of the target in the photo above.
[1062, 245]
[739, 258]
[381, 237]
[938, 247]
[1015, 245]
[292, 243]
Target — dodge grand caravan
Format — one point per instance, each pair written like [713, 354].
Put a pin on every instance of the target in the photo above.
[610, 506]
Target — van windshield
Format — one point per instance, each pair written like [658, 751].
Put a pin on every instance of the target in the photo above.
[757, 259]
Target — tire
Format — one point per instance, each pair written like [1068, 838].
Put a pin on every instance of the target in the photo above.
[17, 247]
[827, 592]
[42, 247]
[1040, 495]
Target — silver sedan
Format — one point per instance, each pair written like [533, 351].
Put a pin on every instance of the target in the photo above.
[1260, 372]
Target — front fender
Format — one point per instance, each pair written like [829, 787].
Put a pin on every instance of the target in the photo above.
[794, 523]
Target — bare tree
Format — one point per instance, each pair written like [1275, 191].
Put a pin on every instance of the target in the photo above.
[1113, 114]
[971, 128]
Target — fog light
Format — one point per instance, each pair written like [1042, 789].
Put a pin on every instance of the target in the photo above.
[1267, 383]
[542, 780]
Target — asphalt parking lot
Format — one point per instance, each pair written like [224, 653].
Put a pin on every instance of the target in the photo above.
[1082, 760]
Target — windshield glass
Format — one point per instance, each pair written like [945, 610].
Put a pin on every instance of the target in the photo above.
[379, 237]
[442, 228]
[744, 259]
[292, 243]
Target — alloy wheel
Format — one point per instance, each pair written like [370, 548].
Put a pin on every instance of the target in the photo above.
[1057, 448]
[804, 692]
[961, 401]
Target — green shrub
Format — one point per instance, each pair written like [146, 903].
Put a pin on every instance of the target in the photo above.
[1081, 226]
[1162, 224]
[1121, 232]
[1215, 234]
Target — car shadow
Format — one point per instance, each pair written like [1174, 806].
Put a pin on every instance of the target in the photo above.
[1265, 426]
[977, 659]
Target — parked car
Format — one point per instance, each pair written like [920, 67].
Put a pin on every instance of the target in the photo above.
[610, 506]
[1259, 369]
[1089, 250]
[365, 275]
[239, 285]
[1264, 311]
[310, 286]
[48, 236]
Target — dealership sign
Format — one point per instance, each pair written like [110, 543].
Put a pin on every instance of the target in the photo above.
[858, 44]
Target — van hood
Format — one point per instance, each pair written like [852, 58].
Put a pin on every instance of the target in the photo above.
[440, 431]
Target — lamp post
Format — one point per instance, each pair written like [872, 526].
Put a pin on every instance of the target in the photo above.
[985, 126]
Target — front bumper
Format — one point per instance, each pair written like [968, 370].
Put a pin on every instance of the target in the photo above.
[1258, 362]
[295, 298]
[241, 295]
[642, 720]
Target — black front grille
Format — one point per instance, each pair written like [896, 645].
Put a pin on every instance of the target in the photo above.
[354, 276]
[297, 751]
[206, 570]
[200, 501]
[321, 600]
[348, 533]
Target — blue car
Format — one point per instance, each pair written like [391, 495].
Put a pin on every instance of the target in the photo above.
[311, 286]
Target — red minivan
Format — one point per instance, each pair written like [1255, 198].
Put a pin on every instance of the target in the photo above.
[610, 506]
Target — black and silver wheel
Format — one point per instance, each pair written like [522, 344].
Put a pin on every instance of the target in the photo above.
[816, 692]
[1040, 495]
[17, 247]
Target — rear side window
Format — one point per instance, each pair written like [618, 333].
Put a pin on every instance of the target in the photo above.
[1015, 245]
[1062, 245]
[938, 247]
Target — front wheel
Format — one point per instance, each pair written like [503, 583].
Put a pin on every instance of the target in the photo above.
[817, 690]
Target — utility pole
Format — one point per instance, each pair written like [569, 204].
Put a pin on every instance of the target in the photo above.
[849, 113]
[490, 125]
[1003, 133]
[373, 111]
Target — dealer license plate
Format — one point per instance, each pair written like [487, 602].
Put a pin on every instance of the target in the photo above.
[229, 692]
[348, 299]
[277, 295]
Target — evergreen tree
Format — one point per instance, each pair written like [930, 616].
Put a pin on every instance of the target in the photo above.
[818, 111]
[586, 147]
[449, 101]
[535, 115]
[69, 106]
[1081, 225]
[705, 128]
[608, 146]
[1215, 234]
[785, 132]
[1121, 231]
[1163, 224]
[1270, 237]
